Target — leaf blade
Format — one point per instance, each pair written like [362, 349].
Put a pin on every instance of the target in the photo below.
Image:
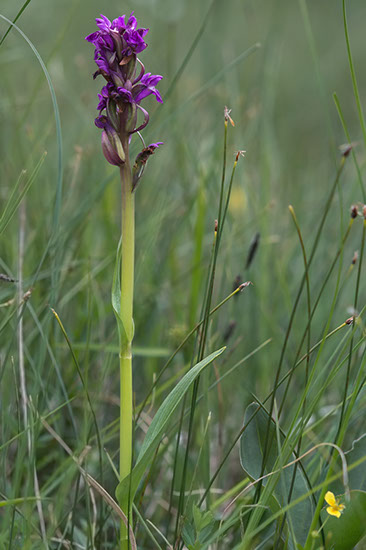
[155, 432]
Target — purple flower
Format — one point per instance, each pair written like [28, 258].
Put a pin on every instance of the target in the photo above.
[146, 86]
[103, 97]
[103, 23]
[117, 44]
[131, 38]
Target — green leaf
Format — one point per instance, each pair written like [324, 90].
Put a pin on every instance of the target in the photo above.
[129, 485]
[195, 536]
[18, 192]
[188, 535]
[205, 533]
[252, 445]
[201, 519]
[16, 501]
[345, 532]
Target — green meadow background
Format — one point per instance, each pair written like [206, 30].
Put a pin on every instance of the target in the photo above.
[276, 64]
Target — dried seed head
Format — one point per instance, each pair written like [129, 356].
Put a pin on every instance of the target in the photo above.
[354, 211]
[27, 295]
[349, 321]
[346, 149]
[216, 226]
[244, 285]
[355, 257]
[238, 154]
[228, 117]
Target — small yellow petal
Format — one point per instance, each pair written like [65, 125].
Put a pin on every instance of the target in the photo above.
[333, 512]
[330, 499]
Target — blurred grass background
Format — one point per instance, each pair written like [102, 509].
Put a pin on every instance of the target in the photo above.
[285, 119]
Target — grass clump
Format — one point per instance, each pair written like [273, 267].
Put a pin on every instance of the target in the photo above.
[248, 399]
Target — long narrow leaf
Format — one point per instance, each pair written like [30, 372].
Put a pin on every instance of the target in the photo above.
[157, 427]
[16, 195]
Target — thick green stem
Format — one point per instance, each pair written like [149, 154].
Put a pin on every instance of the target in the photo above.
[127, 285]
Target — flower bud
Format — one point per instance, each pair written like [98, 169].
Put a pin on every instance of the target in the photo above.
[112, 147]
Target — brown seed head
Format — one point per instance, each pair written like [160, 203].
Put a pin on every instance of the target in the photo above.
[238, 154]
[354, 211]
[346, 149]
[244, 285]
[27, 295]
[228, 117]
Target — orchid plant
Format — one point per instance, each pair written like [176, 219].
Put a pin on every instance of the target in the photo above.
[117, 44]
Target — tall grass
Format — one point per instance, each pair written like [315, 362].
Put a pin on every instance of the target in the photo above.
[239, 450]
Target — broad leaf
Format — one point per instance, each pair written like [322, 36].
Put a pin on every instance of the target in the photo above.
[252, 445]
[345, 532]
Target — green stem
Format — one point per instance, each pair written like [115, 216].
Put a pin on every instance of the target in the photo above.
[127, 286]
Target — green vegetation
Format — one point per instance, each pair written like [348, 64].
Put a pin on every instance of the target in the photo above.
[246, 414]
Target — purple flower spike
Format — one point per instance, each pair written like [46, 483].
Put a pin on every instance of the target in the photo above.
[117, 44]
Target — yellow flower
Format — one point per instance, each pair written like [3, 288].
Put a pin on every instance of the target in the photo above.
[334, 508]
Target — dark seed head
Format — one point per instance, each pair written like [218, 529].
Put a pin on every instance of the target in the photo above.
[346, 149]
[354, 211]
